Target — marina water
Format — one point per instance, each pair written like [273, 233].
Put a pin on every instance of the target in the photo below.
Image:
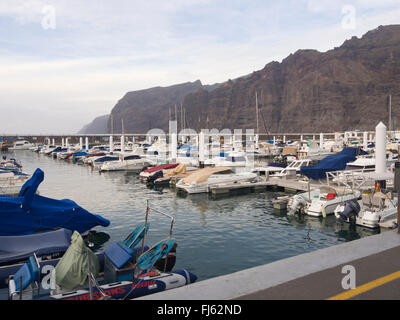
[215, 236]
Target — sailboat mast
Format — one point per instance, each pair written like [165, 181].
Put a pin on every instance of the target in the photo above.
[184, 118]
[390, 112]
[257, 111]
[112, 124]
[181, 116]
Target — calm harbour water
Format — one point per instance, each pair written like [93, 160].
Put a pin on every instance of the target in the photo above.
[215, 236]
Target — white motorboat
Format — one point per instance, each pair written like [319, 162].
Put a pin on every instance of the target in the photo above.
[374, 210]
[298, 202]
[368, 163]
[11, 182]
[10, 164]
[313, 151]
[145, 175]
[292, 168]
[233, 159]
[126, 162]
[327, 200]
[188, 155]
[201, 180]
[22, 145]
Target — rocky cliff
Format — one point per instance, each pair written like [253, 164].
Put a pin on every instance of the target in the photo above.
[98, 125]
[147, 109]
[309, 91]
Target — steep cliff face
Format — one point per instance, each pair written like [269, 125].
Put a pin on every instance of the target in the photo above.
[147, 109]
[309, 91]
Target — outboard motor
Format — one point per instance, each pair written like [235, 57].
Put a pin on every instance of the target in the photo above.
[350, 212]
[298, 204]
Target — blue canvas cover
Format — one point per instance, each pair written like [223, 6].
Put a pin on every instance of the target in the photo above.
[330, 163]
[58, 149]
[30, 212]
[80, 154]
[353, 152]
[106, 158]
[17, 248]
[30, 187]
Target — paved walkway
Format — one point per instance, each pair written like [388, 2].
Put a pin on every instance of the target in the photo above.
[314, 275]
[376, 277]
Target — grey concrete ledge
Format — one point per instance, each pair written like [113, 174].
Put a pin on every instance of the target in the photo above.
[255, 279]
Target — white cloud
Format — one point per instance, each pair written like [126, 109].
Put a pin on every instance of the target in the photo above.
[102, 49]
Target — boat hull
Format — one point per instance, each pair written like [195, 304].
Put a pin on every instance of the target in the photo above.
[150, 284]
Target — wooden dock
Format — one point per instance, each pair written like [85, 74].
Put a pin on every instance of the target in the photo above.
[288, 185]
[226, 188]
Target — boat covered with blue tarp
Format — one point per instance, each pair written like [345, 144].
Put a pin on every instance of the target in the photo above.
[18, 248]
[333, 162]
[29, 212]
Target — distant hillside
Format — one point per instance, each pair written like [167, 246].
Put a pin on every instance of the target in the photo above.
[309, 91]
[98, 125]
[145, 109]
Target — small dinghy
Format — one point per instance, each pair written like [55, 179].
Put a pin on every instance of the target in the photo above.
[130, 271]
[48, 247]
[153, 173]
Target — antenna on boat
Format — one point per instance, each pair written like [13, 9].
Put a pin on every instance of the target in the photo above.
[145, 223]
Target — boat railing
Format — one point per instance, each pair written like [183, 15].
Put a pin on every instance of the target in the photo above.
[353, 179]
[148, 209]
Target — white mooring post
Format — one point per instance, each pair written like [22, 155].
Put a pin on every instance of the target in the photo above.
[365, 140]
[174, 145]
[87, 143]
[380, 148]
[321, 140]
[81, 143]
[201, 148]
[122, 143]
[62, 142]
[111, 144]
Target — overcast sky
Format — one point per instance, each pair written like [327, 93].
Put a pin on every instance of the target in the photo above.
[64, 62]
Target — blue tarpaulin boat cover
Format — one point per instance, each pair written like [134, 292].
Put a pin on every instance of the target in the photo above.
[17, 248]
[29, 212]
[331, 163]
